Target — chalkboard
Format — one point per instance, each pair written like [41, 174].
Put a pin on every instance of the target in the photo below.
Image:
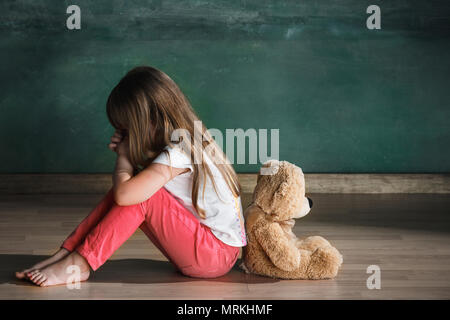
[345, 98]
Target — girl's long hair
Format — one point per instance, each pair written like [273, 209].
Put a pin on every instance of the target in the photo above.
[148, 106]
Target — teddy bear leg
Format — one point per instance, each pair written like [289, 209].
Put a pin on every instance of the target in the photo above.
[324, 263]
[312, 243]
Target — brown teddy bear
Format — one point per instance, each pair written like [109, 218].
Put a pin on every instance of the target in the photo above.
[273, 250]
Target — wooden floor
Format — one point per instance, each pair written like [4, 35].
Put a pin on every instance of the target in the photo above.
[407, 236]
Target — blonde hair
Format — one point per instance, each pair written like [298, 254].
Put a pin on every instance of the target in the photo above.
[148, 106]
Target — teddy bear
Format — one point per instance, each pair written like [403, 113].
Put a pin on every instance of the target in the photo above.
[273, 250]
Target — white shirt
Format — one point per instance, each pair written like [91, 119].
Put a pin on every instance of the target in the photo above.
[223, 212]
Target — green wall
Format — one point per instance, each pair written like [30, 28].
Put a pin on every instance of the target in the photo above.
[345, 98]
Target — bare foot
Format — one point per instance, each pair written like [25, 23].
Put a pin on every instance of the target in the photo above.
[57, 273]
[60, 254]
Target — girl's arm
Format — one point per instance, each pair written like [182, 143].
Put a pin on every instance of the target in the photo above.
[129, 190]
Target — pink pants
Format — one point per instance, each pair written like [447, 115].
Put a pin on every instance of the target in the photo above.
[186, 243]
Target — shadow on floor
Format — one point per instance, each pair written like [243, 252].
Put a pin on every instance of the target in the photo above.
[138, 271]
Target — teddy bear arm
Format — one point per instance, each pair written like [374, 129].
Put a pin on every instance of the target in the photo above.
[278, 248]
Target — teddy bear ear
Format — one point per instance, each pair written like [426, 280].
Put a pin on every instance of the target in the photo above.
[282, 190]
[269, 168]
[277, 198]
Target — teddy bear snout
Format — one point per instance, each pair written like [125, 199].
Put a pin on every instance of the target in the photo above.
[306, 207]
[310, 202]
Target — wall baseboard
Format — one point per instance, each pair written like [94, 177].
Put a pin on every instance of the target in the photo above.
[315, 183]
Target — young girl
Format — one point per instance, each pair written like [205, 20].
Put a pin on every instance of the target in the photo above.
[190, 210]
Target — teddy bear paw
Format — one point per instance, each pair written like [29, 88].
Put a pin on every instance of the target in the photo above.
[325, 263]
[312, 243]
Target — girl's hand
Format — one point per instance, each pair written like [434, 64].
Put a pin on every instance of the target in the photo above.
[123, 149]
[115, 140]
[119, 144]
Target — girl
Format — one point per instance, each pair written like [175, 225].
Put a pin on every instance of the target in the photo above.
[191, 210]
